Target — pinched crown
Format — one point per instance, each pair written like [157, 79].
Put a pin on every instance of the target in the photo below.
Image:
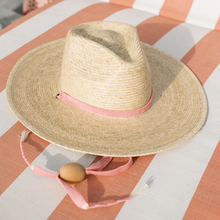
[104, 66]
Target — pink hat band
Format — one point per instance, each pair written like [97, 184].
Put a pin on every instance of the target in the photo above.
[105, 112]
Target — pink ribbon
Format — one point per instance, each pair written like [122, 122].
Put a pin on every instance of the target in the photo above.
[94, 169]
[104, 112]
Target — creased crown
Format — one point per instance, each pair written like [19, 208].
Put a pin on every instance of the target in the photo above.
[104, 66]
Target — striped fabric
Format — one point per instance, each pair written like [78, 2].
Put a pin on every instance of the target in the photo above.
[184, 182]
[204, 13]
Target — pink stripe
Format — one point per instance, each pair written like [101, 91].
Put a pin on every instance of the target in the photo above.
[105, 112]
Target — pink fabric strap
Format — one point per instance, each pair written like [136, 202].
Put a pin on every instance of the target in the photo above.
[94, 169]
[118, 170]
[104, 112]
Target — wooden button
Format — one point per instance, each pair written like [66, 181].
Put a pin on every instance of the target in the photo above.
[72, 173]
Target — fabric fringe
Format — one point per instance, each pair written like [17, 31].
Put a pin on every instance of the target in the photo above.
[140, 190]
[24, 135]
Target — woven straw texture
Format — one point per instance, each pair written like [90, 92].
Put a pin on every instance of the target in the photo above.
[177, 113]
[104, 66]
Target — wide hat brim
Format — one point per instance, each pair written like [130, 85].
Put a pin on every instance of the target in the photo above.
[177, 113]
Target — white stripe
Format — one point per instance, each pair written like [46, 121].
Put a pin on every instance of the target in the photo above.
[181, 39]
[40, 23]
[35, 197]
[7, 119]
[130, 16]
[204, 13]
[176, 173]
[149, 5]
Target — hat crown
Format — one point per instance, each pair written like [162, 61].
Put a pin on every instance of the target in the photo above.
[104, 66]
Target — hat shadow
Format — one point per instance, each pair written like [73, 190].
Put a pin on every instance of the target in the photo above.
[155, 31]
[53, 162]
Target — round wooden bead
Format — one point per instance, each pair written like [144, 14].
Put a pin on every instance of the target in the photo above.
[72, 173]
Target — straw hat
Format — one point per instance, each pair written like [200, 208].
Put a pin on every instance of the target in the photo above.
[103, 65]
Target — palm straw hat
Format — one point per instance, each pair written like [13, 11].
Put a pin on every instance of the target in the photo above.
[111, 78]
